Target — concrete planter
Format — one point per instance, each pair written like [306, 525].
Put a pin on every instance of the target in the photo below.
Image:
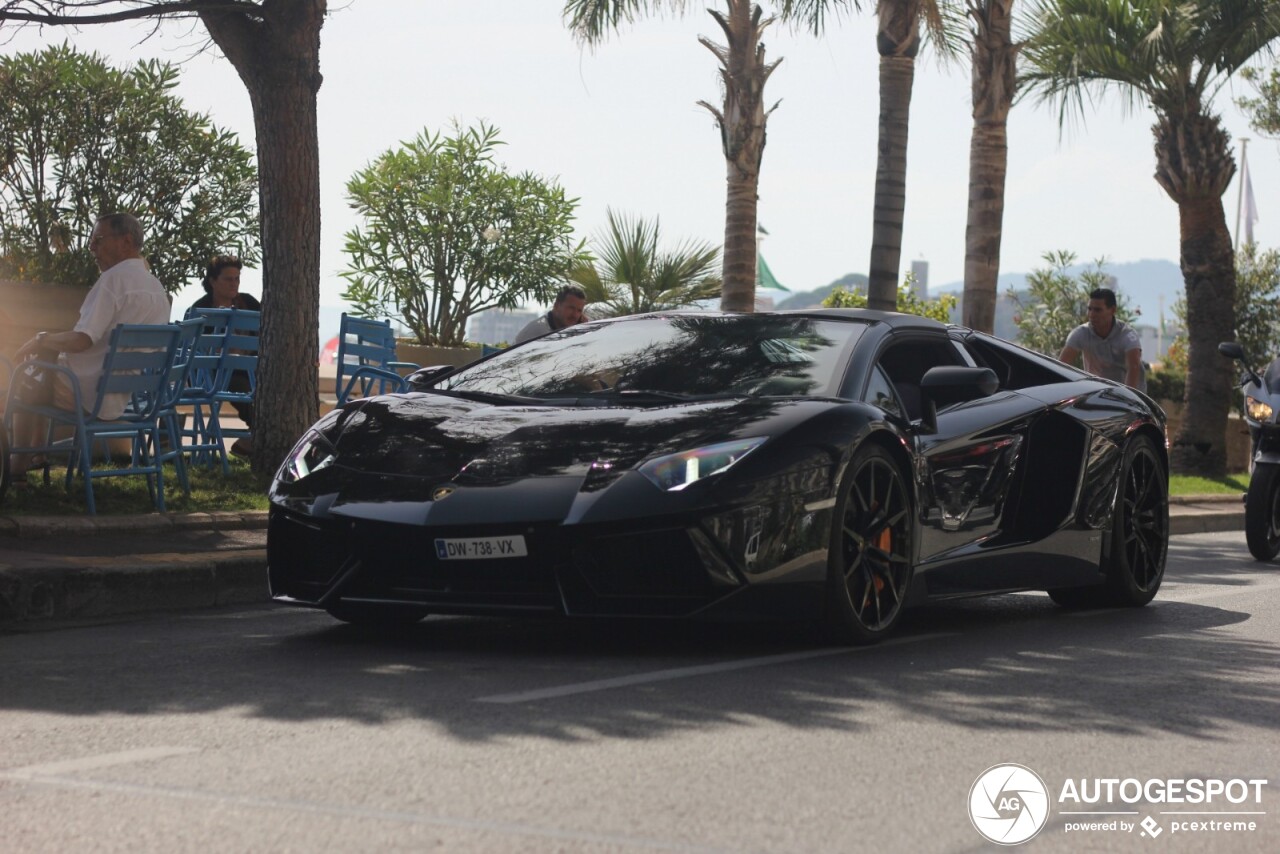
[428, 356]
[30, 307]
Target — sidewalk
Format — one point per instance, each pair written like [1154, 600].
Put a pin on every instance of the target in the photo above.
[68, 569]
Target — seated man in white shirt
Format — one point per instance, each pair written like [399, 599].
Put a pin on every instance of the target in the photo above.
[567, 311]
[126, 292]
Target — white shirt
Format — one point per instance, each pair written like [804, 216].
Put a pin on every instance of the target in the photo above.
[126, 293]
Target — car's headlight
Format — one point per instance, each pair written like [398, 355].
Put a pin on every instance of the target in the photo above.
[676, 471]
[312, 453]
[1257, 410]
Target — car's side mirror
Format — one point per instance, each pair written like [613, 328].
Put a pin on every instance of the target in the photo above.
[426, 377]
[947, 384]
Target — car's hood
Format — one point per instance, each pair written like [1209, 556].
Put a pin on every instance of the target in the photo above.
[442, 438]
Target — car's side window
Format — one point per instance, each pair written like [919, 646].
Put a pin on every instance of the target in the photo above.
[906, 362]
[880, 393]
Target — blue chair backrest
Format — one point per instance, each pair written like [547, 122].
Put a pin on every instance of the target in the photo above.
[240, 349]
[363, 342]
[184, 354]
[137, 364]
[208, 349]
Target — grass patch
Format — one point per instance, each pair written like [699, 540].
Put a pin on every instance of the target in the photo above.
[115, 496]
[1232, 484]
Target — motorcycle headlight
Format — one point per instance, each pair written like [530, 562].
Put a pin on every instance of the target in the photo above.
[1256, 409]
[312, 453]
[674, 472]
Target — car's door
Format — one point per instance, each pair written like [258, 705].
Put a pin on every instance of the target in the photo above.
[965, 467]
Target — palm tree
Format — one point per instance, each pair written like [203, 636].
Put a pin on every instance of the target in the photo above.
[741, 118]
[632, 275]
[898, 41]
[1172, 55]
[993, 57]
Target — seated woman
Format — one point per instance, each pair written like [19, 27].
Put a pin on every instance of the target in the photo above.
[222, 290]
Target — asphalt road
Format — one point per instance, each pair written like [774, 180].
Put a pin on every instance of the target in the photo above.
[262, 729]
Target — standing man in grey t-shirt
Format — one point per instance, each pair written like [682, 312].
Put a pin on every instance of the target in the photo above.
[1111, 347]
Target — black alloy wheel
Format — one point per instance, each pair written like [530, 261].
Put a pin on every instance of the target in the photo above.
[869, 561]
[1139, 543]
[1262, 512]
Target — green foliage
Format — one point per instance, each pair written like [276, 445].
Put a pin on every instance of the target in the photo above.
[1168, 382]
[1055, 302]
[1264, 110]
[1257, 311]
[448, 232]
[632, 275]
[908, 302]
[1232, 484]
[79, 139]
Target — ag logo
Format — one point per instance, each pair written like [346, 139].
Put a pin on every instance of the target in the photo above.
[1008, 804]
[441, 492]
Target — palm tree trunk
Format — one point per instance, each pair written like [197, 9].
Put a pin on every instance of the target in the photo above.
[994, 83]
[898, 40]
[1209, 277]
[742, 135]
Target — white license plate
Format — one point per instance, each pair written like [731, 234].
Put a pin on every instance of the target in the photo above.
[480, 548]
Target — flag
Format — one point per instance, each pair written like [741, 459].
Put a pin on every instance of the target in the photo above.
[1249, 204]
[764, 276]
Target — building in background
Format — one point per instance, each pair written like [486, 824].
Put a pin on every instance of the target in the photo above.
[920, 272]
[498, 325]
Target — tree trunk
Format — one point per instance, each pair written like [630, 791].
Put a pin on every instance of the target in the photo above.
[897, 40]
[1194, 166]
[278, 58]
[742, 135]
[1208, 274]
[994, 62]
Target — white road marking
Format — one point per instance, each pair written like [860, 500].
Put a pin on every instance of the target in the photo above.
[698, 670]
[225, 799]
[92, 763]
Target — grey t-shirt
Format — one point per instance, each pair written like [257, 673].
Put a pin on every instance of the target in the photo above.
[1106, 356]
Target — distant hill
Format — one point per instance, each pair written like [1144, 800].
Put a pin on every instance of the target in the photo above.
[1143, 282]
[811, 299]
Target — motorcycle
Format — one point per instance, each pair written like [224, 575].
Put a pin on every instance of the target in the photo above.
[1261, 407]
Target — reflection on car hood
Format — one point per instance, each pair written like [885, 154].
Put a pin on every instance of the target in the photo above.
[441, 438]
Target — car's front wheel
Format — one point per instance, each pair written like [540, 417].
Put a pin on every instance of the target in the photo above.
[869, 560]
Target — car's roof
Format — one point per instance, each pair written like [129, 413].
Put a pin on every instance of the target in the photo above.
[893, 319]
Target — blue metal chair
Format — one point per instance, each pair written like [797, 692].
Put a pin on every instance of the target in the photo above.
[228, 343]
[137, 364]
[366, 359]
[174, 387]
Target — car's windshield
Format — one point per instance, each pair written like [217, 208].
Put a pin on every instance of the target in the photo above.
[673, 357]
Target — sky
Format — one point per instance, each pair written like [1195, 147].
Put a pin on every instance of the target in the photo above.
[619, 127]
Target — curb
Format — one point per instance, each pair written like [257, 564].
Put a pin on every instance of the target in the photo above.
[40, 527]
[31, 597]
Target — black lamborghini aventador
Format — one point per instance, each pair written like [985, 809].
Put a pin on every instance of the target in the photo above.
[841, 464]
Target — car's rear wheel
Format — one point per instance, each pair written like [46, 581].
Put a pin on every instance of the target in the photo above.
[376, 616]
[869, 560]
[1139, 544]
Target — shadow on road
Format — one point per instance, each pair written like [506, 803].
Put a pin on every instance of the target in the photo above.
[1015, 662]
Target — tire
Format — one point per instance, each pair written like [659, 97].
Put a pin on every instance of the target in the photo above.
[1262, 512]
[1139, 542]
[376, 616]
[869, 561]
